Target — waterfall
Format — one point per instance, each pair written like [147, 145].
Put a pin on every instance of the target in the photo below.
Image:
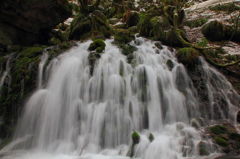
[79, 115]
[4, 73]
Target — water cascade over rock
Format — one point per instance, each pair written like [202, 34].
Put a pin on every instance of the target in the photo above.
[73, 114]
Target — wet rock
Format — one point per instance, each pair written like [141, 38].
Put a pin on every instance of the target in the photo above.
[98, 45]
[31, 19]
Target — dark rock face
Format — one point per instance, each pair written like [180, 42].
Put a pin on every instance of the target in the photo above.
[29, 21]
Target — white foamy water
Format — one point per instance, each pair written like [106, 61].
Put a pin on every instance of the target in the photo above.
[78, 116]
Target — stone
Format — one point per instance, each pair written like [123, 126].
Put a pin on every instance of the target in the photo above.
[214, 30]
[33, 19]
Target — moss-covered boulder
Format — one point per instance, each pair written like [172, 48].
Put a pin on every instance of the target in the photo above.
[123, 36]
[80, 26]
[86, 26]
[188, 56]
[98, 45]
[131, 18]
[145, 27]
[135, 137]
[214, 30]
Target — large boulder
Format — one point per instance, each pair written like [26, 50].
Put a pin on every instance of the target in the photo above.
[30, 21]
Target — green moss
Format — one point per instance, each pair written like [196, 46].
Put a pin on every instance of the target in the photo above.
[196, 23]
[135, 137]
[203, 152]
[123, 36]
[188, 56]
[127, 49]
[203, 42]
[98, 45]
[64, 46]
[218, 129]
[32, 52]
[145, 27]
[220, 141]
[228, 7]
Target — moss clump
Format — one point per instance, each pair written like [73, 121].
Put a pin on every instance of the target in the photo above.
[32, 52]
[64, 46]
[228, 7]
[135, 137]
[98, 45]
[203, 152]
[218, 129]
[131, 18]
[220, 141]
[123, 36]
[196, 23]
[188, 56]
[203, 42]
[127, 49]
[235, 136]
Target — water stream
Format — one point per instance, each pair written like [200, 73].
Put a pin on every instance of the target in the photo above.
[75, 115]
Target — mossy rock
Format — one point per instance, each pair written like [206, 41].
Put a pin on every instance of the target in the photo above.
[203, 42]
[80, 26]
[196, 22]
[131, 18]
[170, 64]
[228, 7]
[158, 45]
[98, 45]
[188, 56]
[65, 46]
[123, 36]
[159, 27]
[156, 10]
[146, 27]
[232, 33]
[150, 137]
[220, 141]
[54, 41]
[113, 21]
[84, 26]
[218, 129]
[202, 148]
[172, 39]
[135, 137]
[235, 136]
[214, 30]
[32, 52]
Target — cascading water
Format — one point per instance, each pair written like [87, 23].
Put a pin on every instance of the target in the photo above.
[77, 115]
[4, 73]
